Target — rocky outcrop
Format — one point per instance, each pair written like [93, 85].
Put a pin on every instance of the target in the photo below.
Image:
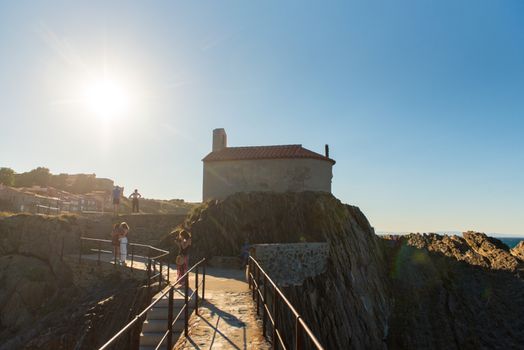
[518, 251]
[419, 291]
[43, 302]
[348, 305]
[473, 248]
[454, 292]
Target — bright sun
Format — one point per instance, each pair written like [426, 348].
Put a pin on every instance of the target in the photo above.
[106, 99]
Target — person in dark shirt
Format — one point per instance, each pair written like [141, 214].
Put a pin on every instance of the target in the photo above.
[135, 196]
[117, 192]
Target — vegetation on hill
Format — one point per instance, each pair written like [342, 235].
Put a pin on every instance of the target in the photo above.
[41, 176]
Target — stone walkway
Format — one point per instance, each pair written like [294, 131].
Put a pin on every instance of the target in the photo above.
[227, 319]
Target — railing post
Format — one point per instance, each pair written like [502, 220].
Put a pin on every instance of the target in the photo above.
[168, 269]
[99, 248]
[204, 281]
[264, 312]
[132, 256]
[170, 320]
[275, 318]
[160, 278]
[249, 272]
[148, 272]
[251, 277]
[257, 279]
[196, 291]
[186, 310]
[298, 334]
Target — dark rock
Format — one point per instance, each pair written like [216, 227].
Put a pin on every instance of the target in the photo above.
[455, 293]
[348, 306]
[421, 291]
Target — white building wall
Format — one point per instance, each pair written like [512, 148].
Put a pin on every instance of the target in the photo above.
[223, 178]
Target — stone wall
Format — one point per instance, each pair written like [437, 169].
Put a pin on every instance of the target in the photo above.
[223, 178]
[290, 264]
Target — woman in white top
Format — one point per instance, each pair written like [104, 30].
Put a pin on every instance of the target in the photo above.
[124, 229]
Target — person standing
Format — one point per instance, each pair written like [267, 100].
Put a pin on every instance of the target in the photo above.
[117, 192]
[124, 230]
[115, 241]
[135, 196]
[182, 260]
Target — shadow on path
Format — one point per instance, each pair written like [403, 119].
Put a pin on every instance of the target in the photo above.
[216, 330]
[230, 319]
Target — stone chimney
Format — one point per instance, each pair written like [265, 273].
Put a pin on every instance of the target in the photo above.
[219, 139]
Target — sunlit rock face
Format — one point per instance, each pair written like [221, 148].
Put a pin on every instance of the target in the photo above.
[518, 251]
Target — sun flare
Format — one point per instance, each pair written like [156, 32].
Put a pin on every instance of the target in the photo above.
[106, 98]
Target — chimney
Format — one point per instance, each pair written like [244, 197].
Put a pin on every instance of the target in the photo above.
[327, 150]
[219, 139]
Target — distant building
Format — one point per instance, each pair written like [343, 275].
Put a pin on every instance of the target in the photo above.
[49, 200]
[282, 168]
[28, 200]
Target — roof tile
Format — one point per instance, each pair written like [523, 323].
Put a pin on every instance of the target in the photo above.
[264, 152]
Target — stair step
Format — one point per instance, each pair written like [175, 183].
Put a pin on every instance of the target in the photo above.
[161, 313]
[151, 326]
[164, 302]
[151, 338]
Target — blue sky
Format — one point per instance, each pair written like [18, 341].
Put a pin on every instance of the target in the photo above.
[420, 101]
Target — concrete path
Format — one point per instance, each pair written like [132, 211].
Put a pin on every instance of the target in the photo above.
[227, 318]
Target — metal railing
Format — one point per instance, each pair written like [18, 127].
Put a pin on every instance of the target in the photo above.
[168, 334]
[46, 209]
[262, 289]
[152, 257]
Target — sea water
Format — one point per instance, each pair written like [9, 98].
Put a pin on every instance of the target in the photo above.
[511, 241]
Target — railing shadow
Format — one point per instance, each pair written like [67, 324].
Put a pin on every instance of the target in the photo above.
[231, 319]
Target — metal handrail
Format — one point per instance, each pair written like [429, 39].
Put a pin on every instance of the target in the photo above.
[171, 321]
[151, 260]
[260, 296]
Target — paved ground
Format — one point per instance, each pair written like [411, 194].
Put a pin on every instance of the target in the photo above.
[227, 319]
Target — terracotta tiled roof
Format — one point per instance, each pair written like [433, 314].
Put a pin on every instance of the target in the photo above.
[264, 152]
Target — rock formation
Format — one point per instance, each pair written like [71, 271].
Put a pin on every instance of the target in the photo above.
[418, 291]
[348, 306]
[454, 292]
[44, 302]
[518, 250]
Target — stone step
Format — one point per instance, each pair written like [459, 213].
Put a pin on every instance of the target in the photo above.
[151, 339]
[161, 313]
[177, 302]
[151, 326]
